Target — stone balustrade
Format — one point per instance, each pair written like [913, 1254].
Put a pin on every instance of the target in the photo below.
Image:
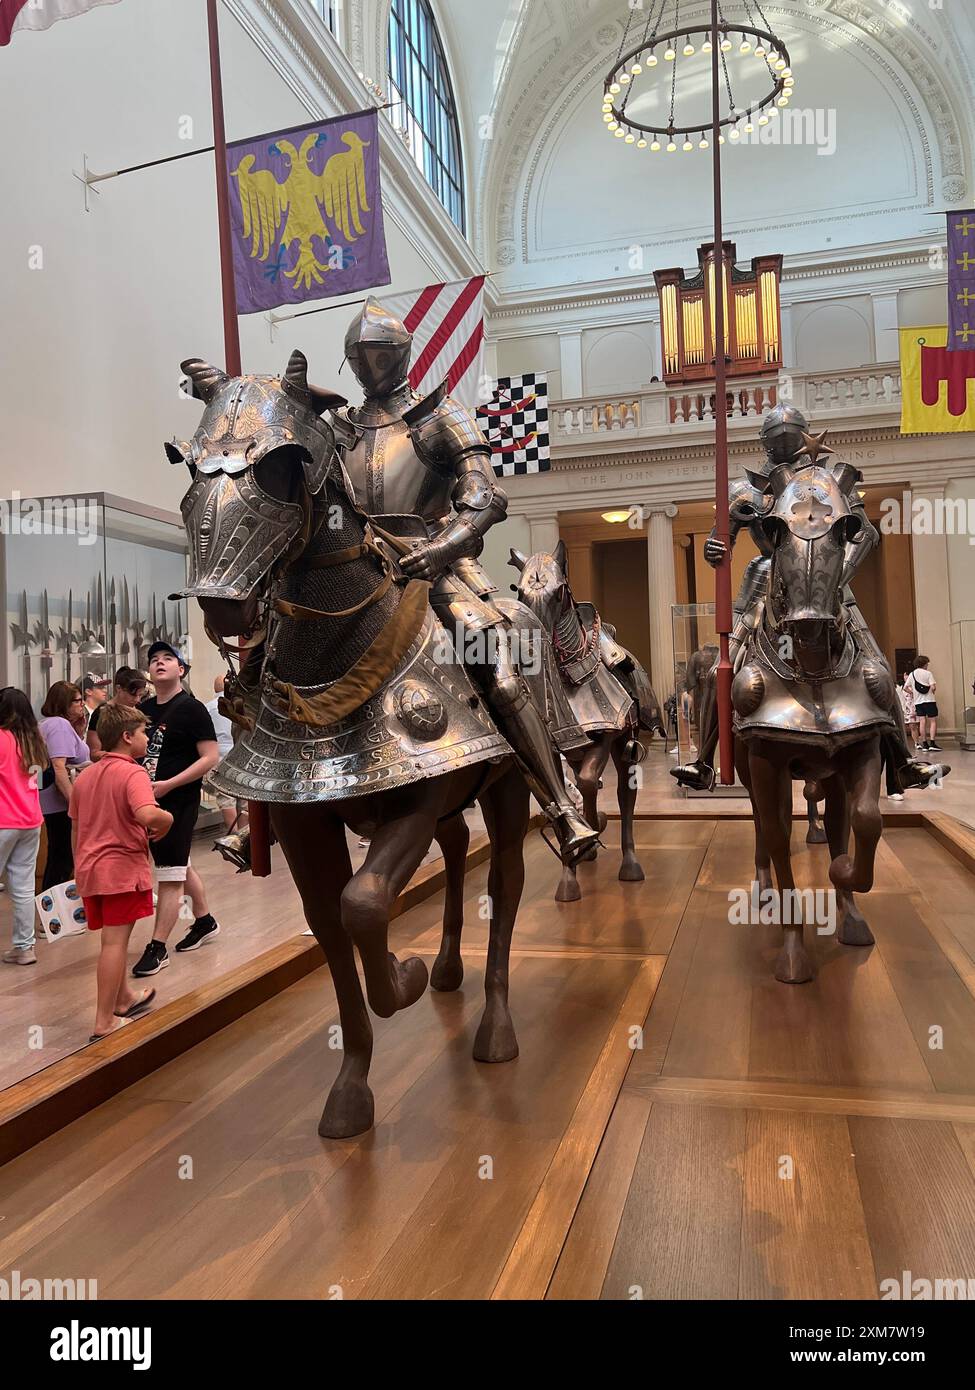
[660, 409]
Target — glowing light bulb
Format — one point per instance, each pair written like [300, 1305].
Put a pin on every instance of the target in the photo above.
[720, 139]
[688, 145]
[725, 45]
[779, 64]
[744, 46]
[790, 82]
[624, 77]
[706, 46]
[652, 60]
[749, 128]
[609, 118]
[614, 87]
[763, 120]
[688, 49]
[670, 55]
[619, 134]
[702, 144]
[671, 147]
[786, 72]
[654, 146]
[641, 144]
[735, 133]
[760, 50]
[631, 139]
[612, 125]
[783, 101]
[636, 69]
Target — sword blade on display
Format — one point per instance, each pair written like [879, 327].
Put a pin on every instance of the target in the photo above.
[154, 629]
[25, 639]
[112, 618]
[68, 636]
[100, 612]
[47, 656]
[126, 615]
[137, 628]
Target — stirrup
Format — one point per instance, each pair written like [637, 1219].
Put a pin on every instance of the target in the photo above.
[699, 777]
[235, 848]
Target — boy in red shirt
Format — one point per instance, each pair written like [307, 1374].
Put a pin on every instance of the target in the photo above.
[112, 808]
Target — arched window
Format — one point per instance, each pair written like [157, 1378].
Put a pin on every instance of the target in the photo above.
[420, 85]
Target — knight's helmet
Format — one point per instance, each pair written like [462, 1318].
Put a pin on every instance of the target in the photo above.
[782, 431]
[378, 349]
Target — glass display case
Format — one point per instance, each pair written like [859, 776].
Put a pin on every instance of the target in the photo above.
[86, 585]
[695, 651]
[963, 660]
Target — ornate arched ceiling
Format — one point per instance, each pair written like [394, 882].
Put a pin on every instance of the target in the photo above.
[557, 201]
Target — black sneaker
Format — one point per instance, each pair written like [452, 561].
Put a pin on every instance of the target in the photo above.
[154, 958]
[197, 934]
[932, 747]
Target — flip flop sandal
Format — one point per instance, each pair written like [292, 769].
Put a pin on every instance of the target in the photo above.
[138, 1007]
[97, 1037]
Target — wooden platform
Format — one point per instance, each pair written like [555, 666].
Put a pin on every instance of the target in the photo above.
[765, 1141]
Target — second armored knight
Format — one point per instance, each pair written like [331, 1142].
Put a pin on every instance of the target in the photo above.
[422, 470]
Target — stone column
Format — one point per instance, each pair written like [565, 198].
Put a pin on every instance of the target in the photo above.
[931, 600]
[544, 534]
[662, 582]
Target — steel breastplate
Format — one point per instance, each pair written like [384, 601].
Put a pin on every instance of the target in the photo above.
[390, 477]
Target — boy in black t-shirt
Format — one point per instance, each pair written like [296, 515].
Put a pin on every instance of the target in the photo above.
[182, 750]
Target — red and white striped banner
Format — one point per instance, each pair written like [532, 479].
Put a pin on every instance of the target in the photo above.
[447, 323]
[40, 14]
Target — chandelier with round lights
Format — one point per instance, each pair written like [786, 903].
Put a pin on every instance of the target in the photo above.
[664, 43]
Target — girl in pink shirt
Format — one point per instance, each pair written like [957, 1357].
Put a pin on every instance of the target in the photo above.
[22, 760]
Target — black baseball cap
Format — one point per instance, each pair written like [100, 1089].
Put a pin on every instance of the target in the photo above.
[167, 647]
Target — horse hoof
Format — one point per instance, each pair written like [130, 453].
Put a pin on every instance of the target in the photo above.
[854, 931]
[793, 966]
[447, 974]
[349, 1110]
[631, 872]
[495, 1040]
[816, 835]
[568, 890]
[411, 981]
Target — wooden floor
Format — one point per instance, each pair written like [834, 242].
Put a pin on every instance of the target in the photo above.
[765, 1141]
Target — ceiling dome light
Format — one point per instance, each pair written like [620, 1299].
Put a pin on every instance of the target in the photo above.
[654, 146]
[616, 517]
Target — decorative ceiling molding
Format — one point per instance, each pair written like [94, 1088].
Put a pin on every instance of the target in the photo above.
[544, 99]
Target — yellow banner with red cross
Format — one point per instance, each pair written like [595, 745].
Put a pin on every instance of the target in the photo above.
[937, 383]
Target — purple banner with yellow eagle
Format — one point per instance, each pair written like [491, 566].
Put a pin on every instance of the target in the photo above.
[306, 213]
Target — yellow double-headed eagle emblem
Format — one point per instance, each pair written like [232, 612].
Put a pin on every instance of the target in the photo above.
[326, 205]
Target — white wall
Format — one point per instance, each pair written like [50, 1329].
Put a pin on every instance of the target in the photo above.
[92, 342]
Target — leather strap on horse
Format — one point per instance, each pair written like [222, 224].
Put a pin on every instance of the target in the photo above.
[369, 673]
[367, 546]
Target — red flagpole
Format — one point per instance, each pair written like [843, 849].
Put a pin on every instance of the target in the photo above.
[722, 576]
[260, 837]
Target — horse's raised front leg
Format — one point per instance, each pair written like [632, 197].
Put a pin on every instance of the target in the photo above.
[396, 850]
[815, 834]
[771, 784]
[568, 890]
[589, 780]
[631, 870]
[852, 929]
[860, 770]
[454, 838]
[506, 813]
[310, 838]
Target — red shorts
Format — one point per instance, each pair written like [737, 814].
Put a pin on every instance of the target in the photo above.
[118, 909]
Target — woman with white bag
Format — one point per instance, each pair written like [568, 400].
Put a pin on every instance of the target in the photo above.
[23, 758]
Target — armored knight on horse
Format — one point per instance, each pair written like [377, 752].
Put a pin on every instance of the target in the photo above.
[786, 441]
